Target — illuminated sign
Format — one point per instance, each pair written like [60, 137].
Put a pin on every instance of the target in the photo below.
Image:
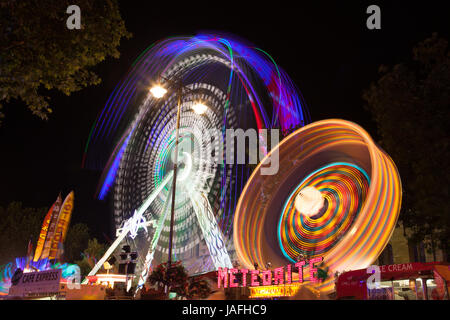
[397, 267]
[234, 277]
[62, 225]
[286, 290]
[35, 283]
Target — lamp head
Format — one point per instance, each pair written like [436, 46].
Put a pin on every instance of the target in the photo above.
[158, 91]
[199, 108]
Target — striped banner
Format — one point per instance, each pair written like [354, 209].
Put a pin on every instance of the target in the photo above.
[43, 235]
[51, 228]
[62, 226]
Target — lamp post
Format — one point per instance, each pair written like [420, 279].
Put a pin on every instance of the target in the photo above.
[158, 92]
[175, 168]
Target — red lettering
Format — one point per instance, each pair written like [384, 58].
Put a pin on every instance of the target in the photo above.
[312, 270]
[254, 278]
[289, 274]
[279, 275]
[267, 277]
[222, 275]
[300, 265]
[244, 277]
[233, 284]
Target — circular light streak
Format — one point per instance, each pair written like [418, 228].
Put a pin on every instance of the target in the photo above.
[342, 188]
[362, 191]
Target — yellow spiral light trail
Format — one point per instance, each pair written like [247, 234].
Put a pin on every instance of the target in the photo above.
[362, 191]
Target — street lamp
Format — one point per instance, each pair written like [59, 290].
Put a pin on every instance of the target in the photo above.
[158, 91]
[199, 108]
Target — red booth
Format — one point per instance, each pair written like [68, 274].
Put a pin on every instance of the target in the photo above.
[407, 281]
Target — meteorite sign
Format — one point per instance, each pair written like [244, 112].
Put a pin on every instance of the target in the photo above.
[37, 284]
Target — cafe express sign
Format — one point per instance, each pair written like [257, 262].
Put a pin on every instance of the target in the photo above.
[41, 283]
[228, 278]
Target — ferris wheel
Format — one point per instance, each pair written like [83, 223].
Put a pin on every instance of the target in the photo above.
[243, 88]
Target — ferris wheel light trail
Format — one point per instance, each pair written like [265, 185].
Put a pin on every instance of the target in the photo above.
[128, 226]
[151, 250]
[187, 167]
[154, 194]
[232, 78]
[211, 231]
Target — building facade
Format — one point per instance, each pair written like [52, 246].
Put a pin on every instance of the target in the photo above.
[400, 250]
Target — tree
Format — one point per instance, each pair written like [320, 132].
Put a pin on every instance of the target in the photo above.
[178, 281]
[198, 289]
[76, 241]
[38, 52]
[410, 104]
[18, 225]
[176, 278]
[91, 255]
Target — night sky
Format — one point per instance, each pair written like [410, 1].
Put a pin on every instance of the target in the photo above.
[326, 49]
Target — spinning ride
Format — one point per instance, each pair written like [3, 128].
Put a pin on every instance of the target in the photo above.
[337, 195]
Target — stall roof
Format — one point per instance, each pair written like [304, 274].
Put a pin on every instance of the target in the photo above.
[444, 272]
[398, 271]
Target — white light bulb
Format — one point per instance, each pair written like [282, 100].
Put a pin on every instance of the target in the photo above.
[199, 108]
[309, 201]
[158, 91]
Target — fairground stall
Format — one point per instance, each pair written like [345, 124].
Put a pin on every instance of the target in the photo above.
[408, 281]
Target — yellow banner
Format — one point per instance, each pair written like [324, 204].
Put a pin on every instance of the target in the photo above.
[51, 228]
[287, 290]
[43, 235]
[62, 225]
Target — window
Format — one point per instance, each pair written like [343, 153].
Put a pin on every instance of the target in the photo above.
[420, 289]
[383, 291]
[417, 252]
[434, 292]
[405, 289]
[387, 256]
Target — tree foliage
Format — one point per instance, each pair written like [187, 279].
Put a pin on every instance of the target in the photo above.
[18, 224]
[38, 51]
[410, 103]
[94, 252]
[175, 277]
[76, 242]
[178, 281]
[198, 289]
